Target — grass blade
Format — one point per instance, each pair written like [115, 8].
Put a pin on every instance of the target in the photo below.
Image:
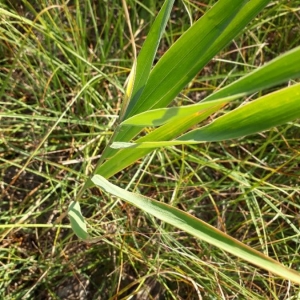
[161, 116]
[215, 30]
[279, 70]
[187, 56]
[77, 221]
[141, 68]
[148, 52]
[198, 228]
[268, 111]
[166, 132]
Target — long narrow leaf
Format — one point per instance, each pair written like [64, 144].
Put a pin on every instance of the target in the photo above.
[215, 30]
[166, 132]
[277, 67]
[148, 52]
[268, 111]
[161, 116]
[198, 228]
[279, 70]
[188, 55]
[141, 68]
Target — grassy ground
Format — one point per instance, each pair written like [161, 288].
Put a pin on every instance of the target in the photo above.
[54, 53]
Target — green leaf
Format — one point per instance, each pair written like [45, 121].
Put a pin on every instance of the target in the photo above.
[198, 228]
[268, 111]
[77, 221]
[198, 45]
[141, 67]
[249, 83]
[127, 156]
[148, 52]
[128, 92]
[119, 159]
[281, 69]
[189, 54]
[161, 116]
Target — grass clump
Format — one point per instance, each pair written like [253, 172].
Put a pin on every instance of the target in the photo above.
[62, 70]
